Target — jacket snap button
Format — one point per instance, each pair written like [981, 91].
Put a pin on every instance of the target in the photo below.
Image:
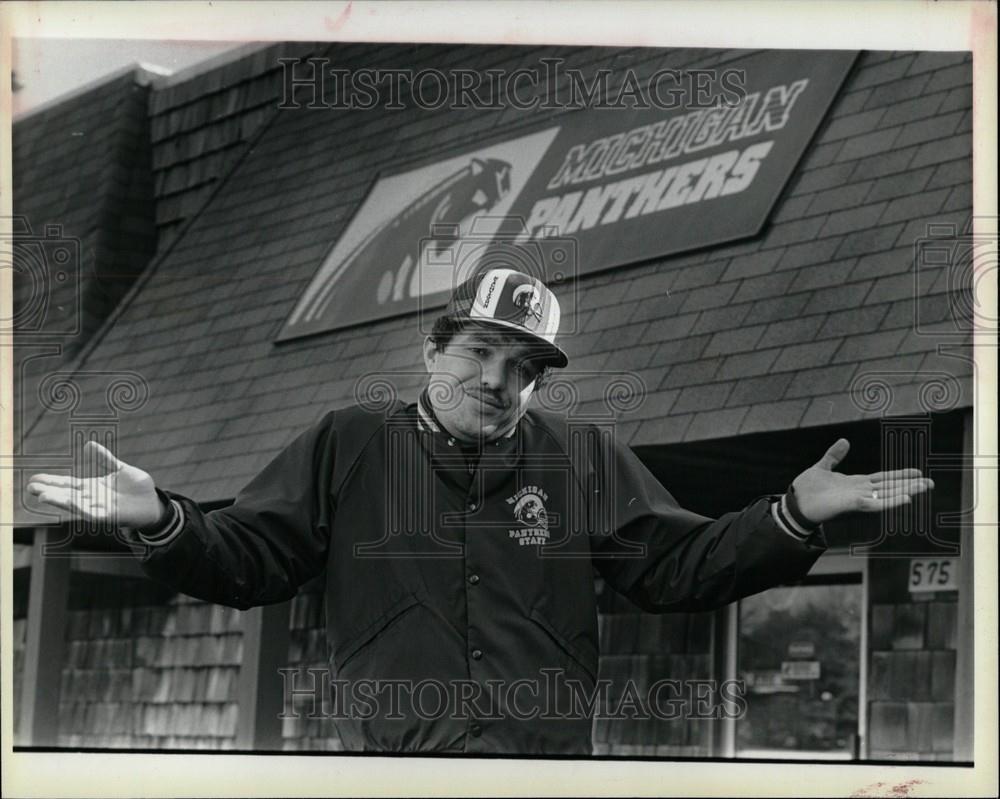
[476, 730]
[474, 579]
[451, 442]
[477, 654]
[472, 506]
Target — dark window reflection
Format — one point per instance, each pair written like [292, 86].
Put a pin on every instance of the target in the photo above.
[799, 651]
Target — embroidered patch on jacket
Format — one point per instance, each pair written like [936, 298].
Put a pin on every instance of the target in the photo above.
[529, 512]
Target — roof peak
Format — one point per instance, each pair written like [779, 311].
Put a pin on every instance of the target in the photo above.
[214, 62]
[145, 74]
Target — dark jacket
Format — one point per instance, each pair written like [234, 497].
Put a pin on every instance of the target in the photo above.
[442, 571]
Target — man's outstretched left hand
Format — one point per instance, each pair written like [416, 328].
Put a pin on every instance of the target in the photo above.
[823, 493]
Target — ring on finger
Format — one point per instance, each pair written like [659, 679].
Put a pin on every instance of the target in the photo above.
[874, 493]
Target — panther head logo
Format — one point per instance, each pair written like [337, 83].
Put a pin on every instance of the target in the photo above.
[528, 301]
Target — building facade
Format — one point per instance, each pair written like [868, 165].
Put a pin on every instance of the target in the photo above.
[203, 206]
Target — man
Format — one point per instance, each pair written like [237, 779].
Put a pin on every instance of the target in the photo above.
[460, 534]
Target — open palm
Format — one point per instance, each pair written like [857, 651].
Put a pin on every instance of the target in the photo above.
[124, 495]
[823, 493]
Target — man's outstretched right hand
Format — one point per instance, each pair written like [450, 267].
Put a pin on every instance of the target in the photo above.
[125, 495]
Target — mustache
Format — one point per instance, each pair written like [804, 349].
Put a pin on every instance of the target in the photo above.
[488, 396]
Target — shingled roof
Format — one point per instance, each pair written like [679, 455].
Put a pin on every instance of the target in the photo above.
[82, 166]
[769, 333]
[83, 206]
[200, 127]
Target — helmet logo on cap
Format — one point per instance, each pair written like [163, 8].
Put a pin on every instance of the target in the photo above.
[529, 303]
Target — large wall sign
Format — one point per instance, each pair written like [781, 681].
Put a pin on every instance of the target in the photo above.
[600, 189]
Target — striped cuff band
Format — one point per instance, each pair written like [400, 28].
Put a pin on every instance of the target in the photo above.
[784, 520]
[168, 528]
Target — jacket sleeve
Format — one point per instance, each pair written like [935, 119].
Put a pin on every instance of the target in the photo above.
[260, 549]
[665, 558]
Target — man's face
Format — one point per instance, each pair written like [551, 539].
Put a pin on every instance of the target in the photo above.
[480, 382]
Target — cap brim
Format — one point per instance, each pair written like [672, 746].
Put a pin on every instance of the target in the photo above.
[549, 353]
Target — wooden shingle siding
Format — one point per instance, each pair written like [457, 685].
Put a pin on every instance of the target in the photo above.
[911, 683]
[143, 673]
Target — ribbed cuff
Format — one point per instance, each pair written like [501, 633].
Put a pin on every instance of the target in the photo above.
[168, 527]
[789, 517]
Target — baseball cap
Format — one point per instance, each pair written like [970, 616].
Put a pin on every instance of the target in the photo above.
[514, 301]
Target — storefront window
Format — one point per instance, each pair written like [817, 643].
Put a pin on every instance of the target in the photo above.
[799, 654]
